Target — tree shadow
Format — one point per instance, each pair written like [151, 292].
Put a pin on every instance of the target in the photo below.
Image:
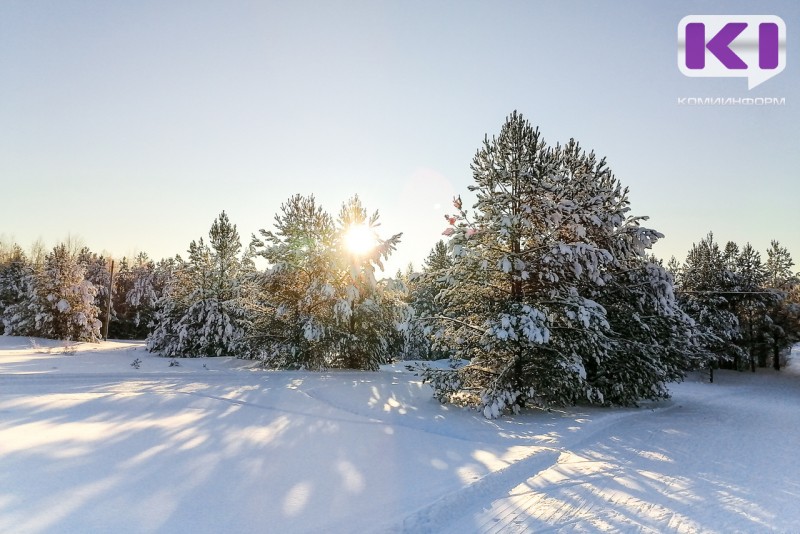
[718, 462]
[248, 453]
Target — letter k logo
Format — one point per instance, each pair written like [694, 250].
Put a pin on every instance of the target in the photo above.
[719, 45]
[741, 46]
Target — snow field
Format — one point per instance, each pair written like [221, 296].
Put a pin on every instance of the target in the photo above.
[90, 444]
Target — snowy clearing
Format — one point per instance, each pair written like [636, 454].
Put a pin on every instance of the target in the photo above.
[89, 444]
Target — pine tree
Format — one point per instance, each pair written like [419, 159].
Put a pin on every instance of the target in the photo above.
[653, 339]
[550, 240]
[97, 271]
[405, 343]
[62, 301]
[779, 266]
[427, 303]
[320, 304]
[751, 309]
[134, 298]
[366, 313]
[202, 314]
[784, 308]
[16, 285]
[140, 288]
[708, 292]
[121, 326]
[297, 291]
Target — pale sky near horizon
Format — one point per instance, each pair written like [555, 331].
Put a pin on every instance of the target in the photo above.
[134, 124]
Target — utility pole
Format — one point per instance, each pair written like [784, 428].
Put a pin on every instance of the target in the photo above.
[108, 307]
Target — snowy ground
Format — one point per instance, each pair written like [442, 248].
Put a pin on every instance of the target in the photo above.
[90, 444]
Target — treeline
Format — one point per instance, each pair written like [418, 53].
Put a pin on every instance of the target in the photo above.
[317, 305]
[64, 293]
[747, 309]
[545, 293]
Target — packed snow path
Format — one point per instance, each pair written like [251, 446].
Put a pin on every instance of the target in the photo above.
[90, 444]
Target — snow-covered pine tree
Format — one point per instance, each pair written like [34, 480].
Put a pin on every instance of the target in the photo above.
[426, 302]
[121, 326]
[550, 234]
[62, 301]
[16, 285]
[707, 291]
[319, 302]
[97, 270]
[366, 313]
[138, 291]
[296, 293]
[779, 266]
[203, 313]
[653, 341]
[409, 342]
[730, 258]
[751, 307]
[784, 309]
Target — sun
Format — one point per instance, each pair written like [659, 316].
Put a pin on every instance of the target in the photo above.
[359, 239]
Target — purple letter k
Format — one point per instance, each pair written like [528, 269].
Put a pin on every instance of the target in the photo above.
[719, 45]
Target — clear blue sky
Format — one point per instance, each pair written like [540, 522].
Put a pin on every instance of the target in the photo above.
[133, 124]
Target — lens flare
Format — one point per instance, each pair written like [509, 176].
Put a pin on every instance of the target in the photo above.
[359, 239]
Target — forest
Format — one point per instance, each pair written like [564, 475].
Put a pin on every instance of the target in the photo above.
[543, 293]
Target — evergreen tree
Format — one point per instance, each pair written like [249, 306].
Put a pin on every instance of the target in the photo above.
[297, 292]
[406, 343]
[708, 292]
[783, 329]
[778, 268]
[751, 309]
[97, 271]
[62, 301]
[320, 304]
[426, 300]
[730, 259]
[140, 288]
[121, 326]
[366, 313]
[202, 314]
[549, 242]
[16, 286]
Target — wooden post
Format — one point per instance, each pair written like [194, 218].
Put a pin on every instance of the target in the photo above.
[108, 307]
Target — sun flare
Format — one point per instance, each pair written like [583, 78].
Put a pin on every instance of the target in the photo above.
[359, 239]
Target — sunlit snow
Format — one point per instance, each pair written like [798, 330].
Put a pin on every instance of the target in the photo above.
[88, 443]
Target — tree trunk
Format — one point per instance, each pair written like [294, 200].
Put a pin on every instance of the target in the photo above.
[762, 356]
[776, 357]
